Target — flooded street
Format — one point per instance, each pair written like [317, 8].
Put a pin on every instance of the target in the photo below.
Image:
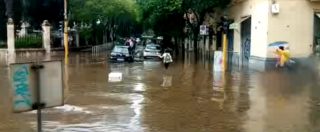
[188, 97]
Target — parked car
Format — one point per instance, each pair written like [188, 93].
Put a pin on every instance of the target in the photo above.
[121, 53]
[152, 50]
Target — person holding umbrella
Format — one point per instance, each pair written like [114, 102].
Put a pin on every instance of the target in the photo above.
[283, 56]
[283, 53]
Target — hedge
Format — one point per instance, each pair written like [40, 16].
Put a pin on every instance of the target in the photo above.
[30, 41]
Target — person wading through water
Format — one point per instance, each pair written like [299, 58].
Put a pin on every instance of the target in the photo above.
[167, 59]
[283, 57]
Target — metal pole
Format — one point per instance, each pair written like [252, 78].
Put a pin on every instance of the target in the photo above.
[38, 105]
[225, 52]
[39, 118]
[66, 46]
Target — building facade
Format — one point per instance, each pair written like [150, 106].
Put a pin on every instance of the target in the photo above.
[256, 25]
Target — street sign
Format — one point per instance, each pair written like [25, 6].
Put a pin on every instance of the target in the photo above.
[204, 30]
[23, 82]
[23, 86]
[234, 26]
[51, 84]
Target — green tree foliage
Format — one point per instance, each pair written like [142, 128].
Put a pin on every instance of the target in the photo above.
[163, 16]
[195, 11]
[119, 17]
[30, 41]
[166, 16]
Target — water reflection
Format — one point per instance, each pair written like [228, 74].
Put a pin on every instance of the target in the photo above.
[279, 102]
[66, 79]
[167, 81]
[137, 106]
[139, 87]
[219, 85]
[187, 97]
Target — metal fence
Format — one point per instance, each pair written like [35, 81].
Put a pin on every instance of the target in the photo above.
[100, 49]
[30, 39]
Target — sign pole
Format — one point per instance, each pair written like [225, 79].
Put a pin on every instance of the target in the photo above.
[33, 90]
[38, 105]
[225, 52]
[66, 45]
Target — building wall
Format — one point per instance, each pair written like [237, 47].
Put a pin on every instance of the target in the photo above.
[258, 10]
[293, 24]
[236, 12]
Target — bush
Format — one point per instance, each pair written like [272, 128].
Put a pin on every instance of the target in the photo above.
[30, 41]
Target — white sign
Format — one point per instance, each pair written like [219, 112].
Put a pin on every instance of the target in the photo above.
[115, 77]
[275, 8]
[23, 82]
[204, 30]
[218, 61]
[234, 26]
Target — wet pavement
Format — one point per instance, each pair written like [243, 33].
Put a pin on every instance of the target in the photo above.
[188, 97]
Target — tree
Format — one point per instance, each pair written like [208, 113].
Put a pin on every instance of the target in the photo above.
[32, 11]
[164, 17]
[195, 11]
[115, 16]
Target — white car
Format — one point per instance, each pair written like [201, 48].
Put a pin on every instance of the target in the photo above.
[152, 50]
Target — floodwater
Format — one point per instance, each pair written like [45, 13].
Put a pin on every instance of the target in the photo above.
[188, 97]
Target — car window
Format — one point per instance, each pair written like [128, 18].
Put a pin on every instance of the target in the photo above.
[119, 49]
[153, 47]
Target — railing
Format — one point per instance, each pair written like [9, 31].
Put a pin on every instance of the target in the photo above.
[31, 40]
[103, 48]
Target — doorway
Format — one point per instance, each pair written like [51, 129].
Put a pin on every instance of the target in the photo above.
[245, 41]
[230, 46]
[316, 34]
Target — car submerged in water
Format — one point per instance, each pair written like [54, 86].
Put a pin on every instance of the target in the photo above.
[121, 54]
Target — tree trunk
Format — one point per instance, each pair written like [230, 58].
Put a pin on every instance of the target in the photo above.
[176, 45]
[182, 42]
[195, 42]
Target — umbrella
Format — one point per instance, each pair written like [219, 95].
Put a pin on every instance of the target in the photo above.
[278, 43]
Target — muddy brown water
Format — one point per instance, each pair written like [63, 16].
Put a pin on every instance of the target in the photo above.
[188, 97]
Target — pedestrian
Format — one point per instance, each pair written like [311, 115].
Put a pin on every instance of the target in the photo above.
[131, 46]
[167, 58]
[127, 43]
[283, 57]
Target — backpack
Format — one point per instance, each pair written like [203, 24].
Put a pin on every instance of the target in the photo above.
[167, 58]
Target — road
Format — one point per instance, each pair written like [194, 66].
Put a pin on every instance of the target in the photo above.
[188, 97]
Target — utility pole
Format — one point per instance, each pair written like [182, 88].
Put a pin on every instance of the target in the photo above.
[225, 26]
[66, 46]
[225, 52]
